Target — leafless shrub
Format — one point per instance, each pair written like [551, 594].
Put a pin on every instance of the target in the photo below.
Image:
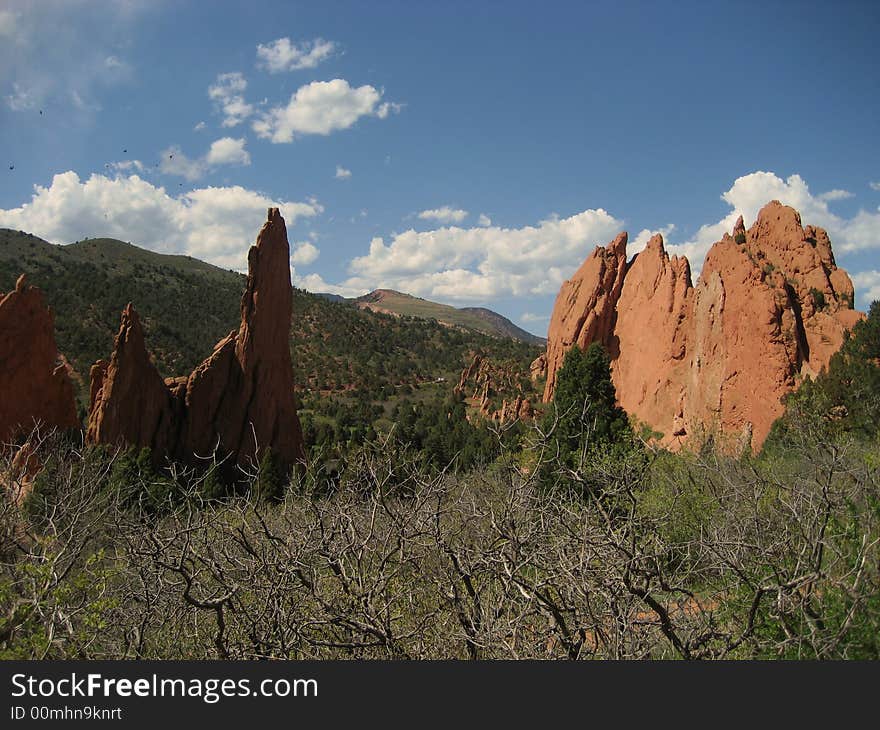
[681, 556]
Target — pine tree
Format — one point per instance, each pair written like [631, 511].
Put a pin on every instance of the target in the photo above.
[584, 420]
[270, 479]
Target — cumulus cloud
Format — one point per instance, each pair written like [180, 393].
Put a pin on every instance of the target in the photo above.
[484, 220]
[200, 126]
[342, 173]
[486, 262]
[321, 107]
[316, 283]
[215, 224]
[227, 92]
[304, 253]
[751, 192]
[445, 214]
[283, 55]
[483, 262]
[867, 286]
[223, 151]
[228, 151]
[126, 166]
[874, 185]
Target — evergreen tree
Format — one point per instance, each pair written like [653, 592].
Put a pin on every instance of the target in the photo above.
[844, 399]
[269, 485]
[584, 420]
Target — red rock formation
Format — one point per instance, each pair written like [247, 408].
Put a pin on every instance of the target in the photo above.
[518, 409]
[35, 385]
[538, 367]
[585, 307]
[483, 378]
[239, 401]
[129, 403]
[767, 312]
[651, 332]
[770, 307]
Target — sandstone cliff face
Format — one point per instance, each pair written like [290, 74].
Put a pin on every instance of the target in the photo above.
[129, 403]
[34, 383]
[770, 308]
[585, 307]
[651, 333]
[239, 401]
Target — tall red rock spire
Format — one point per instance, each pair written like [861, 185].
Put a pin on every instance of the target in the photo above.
[238, 402]
[34, 382]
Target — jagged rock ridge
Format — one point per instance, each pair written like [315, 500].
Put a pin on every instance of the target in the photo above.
[35, 385]
[770, 307]
[483, 379]
[237, 403]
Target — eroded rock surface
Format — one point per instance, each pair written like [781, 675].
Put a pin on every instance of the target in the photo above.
[237, 403]
[35, 386]
[770, 307]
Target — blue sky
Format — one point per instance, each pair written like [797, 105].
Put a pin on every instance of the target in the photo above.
[472, 153]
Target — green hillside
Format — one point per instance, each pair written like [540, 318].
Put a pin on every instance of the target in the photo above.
[187, 305]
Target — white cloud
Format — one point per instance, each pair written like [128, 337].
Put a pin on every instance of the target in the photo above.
[283, 55]
[481, 263]
[342, 173]
[228, 151]
[833, 195]
[637, 243]
[484, 220]
[531, 317]
[200, 126]
[126, 166]
[223, 151]
[389, 107]
[445, 214]
[320, 107]
[215, 224]
[304, 253]
[751, 192]
[874, 185]
[228, 94]
[867, 285]
[316, 283]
